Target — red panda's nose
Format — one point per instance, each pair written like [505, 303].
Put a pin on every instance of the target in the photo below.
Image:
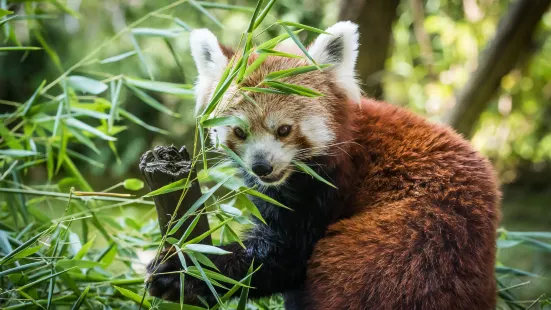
[262, 168]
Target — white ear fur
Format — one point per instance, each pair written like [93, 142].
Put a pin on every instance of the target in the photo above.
[340, 48]
[210, 62]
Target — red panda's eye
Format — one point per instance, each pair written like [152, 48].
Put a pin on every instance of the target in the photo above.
[283, 131]
[239, 133]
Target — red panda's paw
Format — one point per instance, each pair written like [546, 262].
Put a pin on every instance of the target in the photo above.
[163, 276]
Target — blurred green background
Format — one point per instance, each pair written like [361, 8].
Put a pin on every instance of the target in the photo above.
[421, 54]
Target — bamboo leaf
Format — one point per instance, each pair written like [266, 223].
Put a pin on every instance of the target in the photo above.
[270, 44]
[275, 53]
[263, 90]
[29, 285]
[134, 119]
[244, 201]
[84, 250]
[138, 50]
[81, 298]
[224, 121]
[205, 12]
[152, 32]
[235, 157]
[252, 192]
[76, 263]
[169, 188]
[293, 89]
[30, 102]
[118, 58]
[19, 48]
[302, 26]
[207, 249]
[163, 87]
[133, 184]
[4, 12]
[242, 305]
[206, 196]
[514, 271]
[310, 171]
[205, 277]
[133, 297]
[152, 102]
[75, 123]
[220, 92]
[254, 17]
[298, 43]
[17, 153]
[22, 247]
[86, 85]
[263, 14]
[182, 24]
[293, 71]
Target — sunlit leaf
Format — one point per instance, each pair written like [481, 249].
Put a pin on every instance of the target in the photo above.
[169, 188]
[4, 12]
[133, 297]
[207, 249]
[163, 87]
[17, 153]
[73, 122]
[86, 85]
[133, 184]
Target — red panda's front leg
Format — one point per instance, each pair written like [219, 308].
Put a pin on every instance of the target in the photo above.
[283, 269]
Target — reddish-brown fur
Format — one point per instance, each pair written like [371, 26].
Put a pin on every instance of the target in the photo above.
[423, 211]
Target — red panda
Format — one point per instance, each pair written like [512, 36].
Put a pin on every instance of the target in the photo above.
[410, 225]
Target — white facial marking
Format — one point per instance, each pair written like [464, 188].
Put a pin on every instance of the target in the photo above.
[317, 131]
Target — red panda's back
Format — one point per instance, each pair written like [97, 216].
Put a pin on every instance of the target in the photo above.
[423, 232]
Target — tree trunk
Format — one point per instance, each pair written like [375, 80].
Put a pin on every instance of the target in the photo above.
[375, 18]
[164, 165]
[513, 36]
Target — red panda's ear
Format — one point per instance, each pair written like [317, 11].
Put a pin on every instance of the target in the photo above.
[340, 49]
[211, 59]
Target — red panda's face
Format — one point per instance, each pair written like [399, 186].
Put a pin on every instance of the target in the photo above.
[281, 128]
